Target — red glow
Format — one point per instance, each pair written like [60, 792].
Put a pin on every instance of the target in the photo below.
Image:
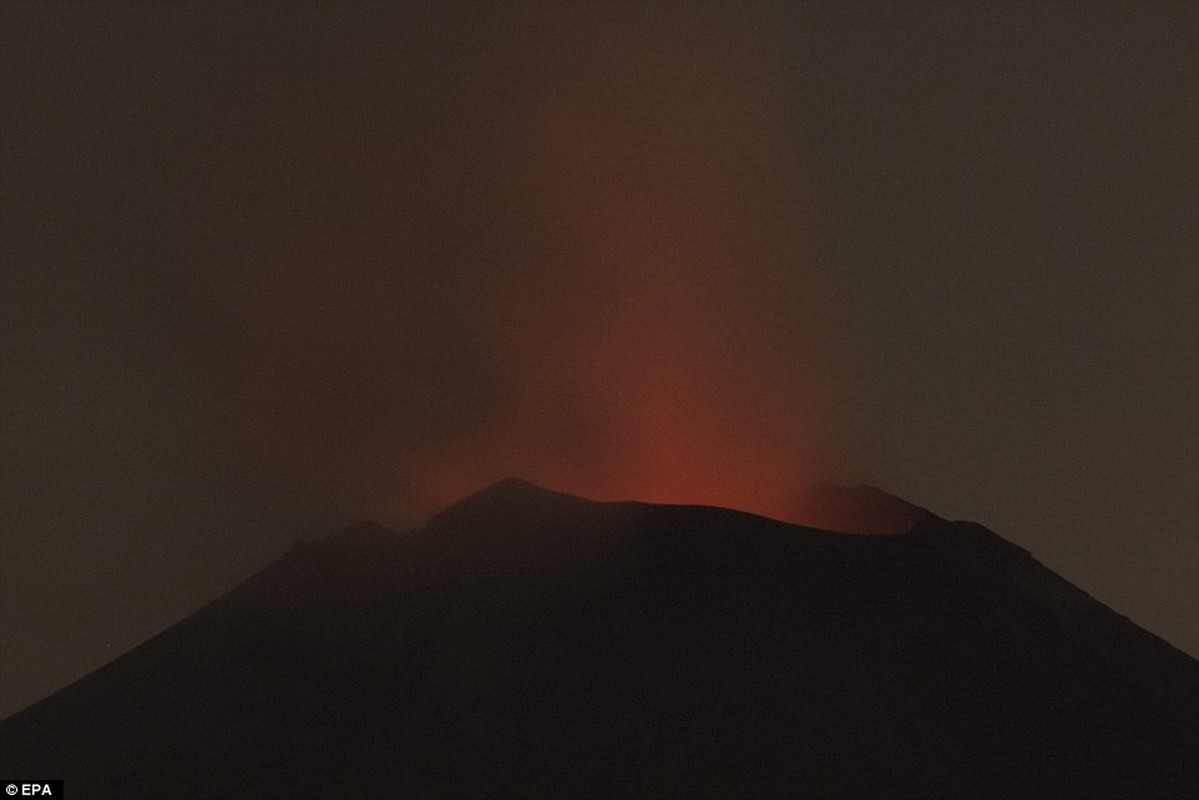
[659, 342]
[605, 282]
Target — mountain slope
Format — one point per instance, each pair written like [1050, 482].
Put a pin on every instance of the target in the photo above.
[528, 643]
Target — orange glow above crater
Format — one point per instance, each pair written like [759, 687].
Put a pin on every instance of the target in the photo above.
[590, 258]
[662, 338]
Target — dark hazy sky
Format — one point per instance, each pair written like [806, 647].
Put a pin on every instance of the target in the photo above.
[267, 268]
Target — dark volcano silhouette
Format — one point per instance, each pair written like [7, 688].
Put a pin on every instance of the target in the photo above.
[526, 643]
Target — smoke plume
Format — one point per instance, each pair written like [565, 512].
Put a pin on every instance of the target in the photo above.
[580, 250]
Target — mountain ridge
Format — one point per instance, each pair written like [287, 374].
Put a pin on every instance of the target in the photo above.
[526, 642]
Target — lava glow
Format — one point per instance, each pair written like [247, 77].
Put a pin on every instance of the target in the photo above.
[584, 256]
[659, 342]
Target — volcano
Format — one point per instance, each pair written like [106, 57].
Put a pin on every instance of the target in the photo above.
[526, 643]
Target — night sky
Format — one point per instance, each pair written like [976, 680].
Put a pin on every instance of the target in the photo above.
[271, 268]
